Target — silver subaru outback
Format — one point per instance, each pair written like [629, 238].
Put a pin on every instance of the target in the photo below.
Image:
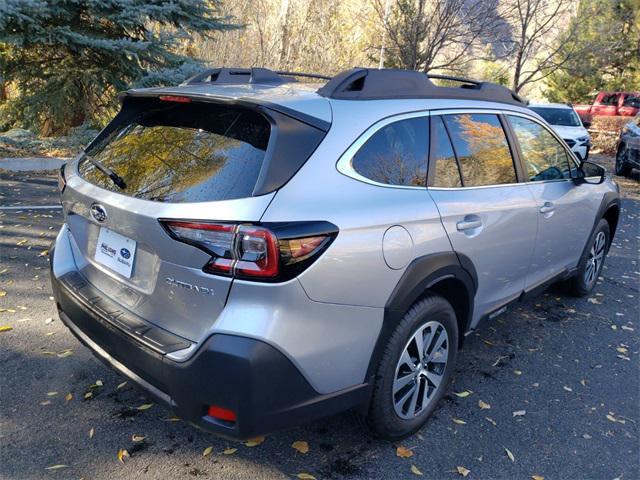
[257, 252]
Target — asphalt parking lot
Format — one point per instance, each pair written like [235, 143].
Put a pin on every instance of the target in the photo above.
[558, 379]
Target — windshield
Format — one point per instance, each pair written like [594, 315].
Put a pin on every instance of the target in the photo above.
[564, 117]
[192, 152]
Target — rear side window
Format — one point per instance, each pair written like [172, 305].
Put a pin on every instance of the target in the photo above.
[191, 152]
[396, 154]
[544, 157]
[445, 171]
[482, 149]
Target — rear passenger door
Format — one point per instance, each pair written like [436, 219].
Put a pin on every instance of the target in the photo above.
[565, 210]
[489, 216]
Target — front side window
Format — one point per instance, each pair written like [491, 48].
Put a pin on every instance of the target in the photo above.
[544, 157]
[396, 154]
[632, 101]
[482, 149]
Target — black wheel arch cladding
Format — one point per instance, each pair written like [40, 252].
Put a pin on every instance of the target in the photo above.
[424, 273]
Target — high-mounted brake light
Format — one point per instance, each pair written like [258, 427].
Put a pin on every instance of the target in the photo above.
[254, 252]
[175, 98]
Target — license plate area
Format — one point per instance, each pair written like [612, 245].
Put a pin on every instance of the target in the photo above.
[115, 252]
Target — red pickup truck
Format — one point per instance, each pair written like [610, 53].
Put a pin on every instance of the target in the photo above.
[626, 104]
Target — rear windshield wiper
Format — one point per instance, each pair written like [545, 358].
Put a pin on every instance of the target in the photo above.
[115, 178]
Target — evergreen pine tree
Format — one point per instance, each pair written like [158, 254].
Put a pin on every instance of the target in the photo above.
[64, 61]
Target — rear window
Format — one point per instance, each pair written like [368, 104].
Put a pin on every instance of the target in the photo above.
[186, 152]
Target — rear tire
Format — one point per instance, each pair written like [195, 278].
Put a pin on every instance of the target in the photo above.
[408, 386]
[592, 260]
[623, 169]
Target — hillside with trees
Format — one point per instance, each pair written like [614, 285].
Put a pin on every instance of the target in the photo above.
[62, 63]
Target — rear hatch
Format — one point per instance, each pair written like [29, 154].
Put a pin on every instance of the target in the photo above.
[176, 159]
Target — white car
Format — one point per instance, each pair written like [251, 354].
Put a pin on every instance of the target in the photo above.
[566, 122]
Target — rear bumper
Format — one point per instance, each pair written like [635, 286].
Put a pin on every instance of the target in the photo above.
[251, 378]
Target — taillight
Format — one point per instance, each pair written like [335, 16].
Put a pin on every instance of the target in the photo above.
[273, 252]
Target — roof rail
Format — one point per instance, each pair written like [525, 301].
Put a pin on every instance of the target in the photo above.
[373, 84]
[248, 75]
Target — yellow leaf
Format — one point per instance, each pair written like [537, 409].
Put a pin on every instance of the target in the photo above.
[88, 395]
[44, 253]
[145, 406]
[403, 452]
[415, 470]
[536, 477]
[207, 451]
[99, 383]
[464, 394]
[301, 446]
[122, 454]
[65, 353]
[230, 451]
[137, 438]
[5, 328]
[121, 385]
[52, 394]
[509, 454]
[171, 419]
[3, 293]
[57, 467]
[254, 442]
[68, 397]
[622, 349]
[91, 432]
[305, 476]
[483, 405]
[463, 471]
[458, 421]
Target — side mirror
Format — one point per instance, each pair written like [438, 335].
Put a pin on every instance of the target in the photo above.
[586, 124]
[590, 172]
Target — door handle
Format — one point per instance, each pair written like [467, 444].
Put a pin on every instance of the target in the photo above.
[548, 207]
[468, 224]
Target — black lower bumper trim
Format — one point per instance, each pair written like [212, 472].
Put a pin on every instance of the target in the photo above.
[251, 378]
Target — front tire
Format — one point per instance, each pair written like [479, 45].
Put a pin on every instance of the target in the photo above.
[592, 260]
[415, 369]
[623, 169]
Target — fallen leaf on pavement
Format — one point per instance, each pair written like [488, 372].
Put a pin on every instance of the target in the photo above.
[137, 438]
[509, 454]
[536, 477]
[483, 405]
[463, 471]
[88, 395]
[415, 470]
[122, 454]
[458, 421]
[230, 451]
[301, 446]
[403, 452]
[121, 385]
[5, 328]
[51, 394]
[91, 432]
[145, 406]
[207, 451]
[57, 467]
[491, 421]
[254, 442]
[464, 394]
[305, 476]
[3, 293]
[519, 413]
[68, 397]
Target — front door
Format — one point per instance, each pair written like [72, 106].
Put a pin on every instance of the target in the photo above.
[489, 217]
[563, 208]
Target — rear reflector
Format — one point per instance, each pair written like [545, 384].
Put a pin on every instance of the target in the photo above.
[221, 413]
[175, 98]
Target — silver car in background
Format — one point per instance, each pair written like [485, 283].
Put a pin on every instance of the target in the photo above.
[256, 252]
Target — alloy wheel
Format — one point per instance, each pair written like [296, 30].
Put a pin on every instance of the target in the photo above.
[420, 370]
[596, 257]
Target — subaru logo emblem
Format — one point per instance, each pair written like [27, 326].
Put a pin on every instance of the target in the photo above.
[98, 212]
[124, 253]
